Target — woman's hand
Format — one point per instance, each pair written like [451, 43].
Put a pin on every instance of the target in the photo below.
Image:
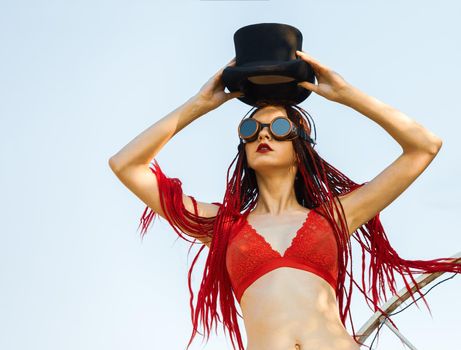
[212, 94]
[330, 85]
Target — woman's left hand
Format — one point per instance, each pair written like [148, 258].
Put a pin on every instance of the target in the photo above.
[330, 85]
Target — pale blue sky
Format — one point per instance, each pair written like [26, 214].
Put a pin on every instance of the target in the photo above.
[79, 80]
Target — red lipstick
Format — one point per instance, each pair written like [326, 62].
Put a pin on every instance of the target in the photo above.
[263, 148]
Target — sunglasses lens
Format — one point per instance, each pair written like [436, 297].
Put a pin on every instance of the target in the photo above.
[248, 128]
[280, 127]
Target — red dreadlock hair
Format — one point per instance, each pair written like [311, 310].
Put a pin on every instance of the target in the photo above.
[317, 183]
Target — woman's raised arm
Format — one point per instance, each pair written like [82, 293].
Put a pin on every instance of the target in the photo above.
[144, 147]
[131, 163]
[419, 145]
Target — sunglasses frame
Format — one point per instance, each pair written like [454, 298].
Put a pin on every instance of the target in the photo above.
[292, 133]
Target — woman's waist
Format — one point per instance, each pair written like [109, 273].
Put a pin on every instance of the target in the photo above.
[296, 311]
[314, 332]
[302, 320]
[289, 306]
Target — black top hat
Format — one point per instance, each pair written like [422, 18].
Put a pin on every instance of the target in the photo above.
[266, 67]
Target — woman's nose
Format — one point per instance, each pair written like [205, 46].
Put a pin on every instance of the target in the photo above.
[264, 132]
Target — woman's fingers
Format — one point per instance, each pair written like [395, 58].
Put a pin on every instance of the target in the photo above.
[308, 86]
[216, 79]
[229, 64]
[308, 58]
[231, 95]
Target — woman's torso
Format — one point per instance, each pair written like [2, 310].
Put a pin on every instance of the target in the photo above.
[289, 308]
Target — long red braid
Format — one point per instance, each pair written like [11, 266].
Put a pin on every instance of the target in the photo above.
[316, 184]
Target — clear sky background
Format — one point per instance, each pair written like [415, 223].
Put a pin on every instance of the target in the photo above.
[79, 80]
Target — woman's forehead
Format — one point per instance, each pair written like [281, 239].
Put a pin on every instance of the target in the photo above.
[266, 114]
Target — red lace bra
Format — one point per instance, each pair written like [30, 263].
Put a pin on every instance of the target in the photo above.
[249, 256]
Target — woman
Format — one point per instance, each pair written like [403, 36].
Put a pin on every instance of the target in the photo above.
[286, 256]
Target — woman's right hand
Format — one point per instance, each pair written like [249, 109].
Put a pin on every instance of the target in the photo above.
[212, 94]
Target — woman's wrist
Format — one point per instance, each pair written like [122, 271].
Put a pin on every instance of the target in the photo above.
[349, 96]
[197, 106]
[200, 105]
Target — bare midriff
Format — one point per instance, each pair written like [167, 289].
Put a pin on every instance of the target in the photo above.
[291, 309]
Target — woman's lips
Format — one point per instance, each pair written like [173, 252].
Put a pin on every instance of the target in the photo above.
[263, 147]
[264, 150]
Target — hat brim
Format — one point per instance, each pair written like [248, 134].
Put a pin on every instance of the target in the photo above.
[298, 70]
[236, 78]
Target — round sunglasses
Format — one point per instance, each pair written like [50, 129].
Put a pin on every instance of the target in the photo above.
[281, 128]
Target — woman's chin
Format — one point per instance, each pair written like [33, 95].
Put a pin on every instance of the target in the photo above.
[264, 164]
